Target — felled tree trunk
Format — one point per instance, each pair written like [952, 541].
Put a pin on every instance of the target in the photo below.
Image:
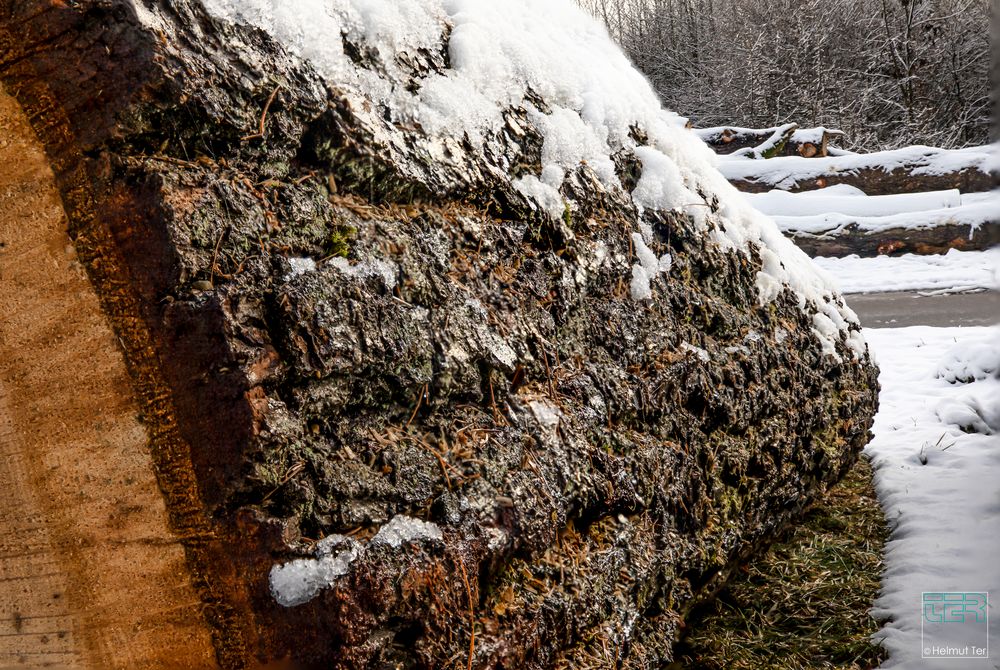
[511, 460]
[880, 173]
[879, 182]
[933, 240]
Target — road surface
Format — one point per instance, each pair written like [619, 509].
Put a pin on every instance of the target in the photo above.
[896, 310]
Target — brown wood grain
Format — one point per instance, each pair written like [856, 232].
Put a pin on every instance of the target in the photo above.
[90, 574]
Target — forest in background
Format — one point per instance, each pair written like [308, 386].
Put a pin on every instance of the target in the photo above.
[890, 73]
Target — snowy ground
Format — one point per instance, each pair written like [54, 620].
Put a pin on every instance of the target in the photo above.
[936, 455]
[954, 271]
[936, 445]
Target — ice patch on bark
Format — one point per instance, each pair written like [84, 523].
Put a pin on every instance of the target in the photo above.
[373, 268]
[299, 581]
[702, 355]
[402, 529]
[541, 195]
[547, 415]
[299, 266]
[647, 269]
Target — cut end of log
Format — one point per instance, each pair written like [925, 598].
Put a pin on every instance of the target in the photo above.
[93, 576]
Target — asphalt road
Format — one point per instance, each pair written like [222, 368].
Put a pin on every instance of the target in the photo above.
[896, 310]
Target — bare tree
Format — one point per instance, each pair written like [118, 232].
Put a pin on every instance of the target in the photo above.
[889, 72]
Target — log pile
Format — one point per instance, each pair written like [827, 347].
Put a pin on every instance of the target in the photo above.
[870, 236]
[751, 163]
[880, 173]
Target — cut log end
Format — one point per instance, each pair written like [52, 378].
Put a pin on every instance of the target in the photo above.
[93, 575]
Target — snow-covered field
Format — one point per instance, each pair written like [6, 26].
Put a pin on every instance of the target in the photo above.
[953, 271]
[936, 454]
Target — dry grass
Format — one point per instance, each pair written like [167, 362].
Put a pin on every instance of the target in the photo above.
[805, 604]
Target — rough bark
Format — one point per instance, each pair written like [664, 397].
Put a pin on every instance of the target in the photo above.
[594, 475]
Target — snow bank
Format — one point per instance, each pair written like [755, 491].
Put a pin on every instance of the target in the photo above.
[973, 360]
[502, 55]
[939, 485]
[953, 271]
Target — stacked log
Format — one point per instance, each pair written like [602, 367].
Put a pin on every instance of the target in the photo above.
[911, 170]
[850, 237]
[806, 142]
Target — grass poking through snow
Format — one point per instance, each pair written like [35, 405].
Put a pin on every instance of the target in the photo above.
[803, 605]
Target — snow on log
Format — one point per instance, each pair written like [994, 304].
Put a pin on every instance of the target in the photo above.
[772, 146]
[933, 232]
[843, 199]
[909, 170]
[805, 142]
[974, 216]
[462, 353]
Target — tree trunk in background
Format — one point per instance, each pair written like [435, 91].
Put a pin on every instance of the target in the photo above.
[595, 467]
[931, 240]
[874, 180]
